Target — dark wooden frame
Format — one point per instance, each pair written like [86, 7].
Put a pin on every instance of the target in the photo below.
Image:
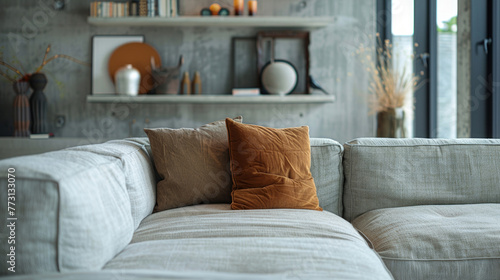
[234, 40]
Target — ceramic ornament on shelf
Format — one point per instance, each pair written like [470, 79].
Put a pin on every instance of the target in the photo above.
[139, 56]
[22, 114]
[127, 80]
[38, 104]
[278, 77]
[166, 79]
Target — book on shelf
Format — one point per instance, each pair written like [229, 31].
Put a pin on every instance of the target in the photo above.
[246, 91]
[143, 8]
[164, 8]
[42, 136]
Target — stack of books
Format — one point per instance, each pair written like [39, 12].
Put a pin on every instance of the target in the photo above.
[145, 8]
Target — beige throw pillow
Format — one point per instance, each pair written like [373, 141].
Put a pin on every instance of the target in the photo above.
[193, 165]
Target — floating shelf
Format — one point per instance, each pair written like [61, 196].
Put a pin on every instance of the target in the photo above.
[213, 99]
[227, 21]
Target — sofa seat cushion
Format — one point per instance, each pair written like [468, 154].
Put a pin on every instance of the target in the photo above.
[212, 238]
[147, 274]
[436, 241]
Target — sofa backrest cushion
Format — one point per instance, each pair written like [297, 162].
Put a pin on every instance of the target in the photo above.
[326, 169]
[383, 173]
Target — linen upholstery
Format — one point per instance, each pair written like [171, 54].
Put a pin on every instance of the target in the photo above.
[213, 238]
[326, 169]
[270, 167]
[137, 164]
[73, 211]
[193, 165]
[150, 274]
[436, 241]
[382, 173]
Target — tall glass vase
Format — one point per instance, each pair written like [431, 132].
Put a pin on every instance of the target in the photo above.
[22, 114]
[391, 123]
[38, 104]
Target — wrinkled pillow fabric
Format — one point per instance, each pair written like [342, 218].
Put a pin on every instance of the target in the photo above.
[270, 167]
[193, 165]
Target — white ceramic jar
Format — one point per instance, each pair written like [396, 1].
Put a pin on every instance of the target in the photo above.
[127, 80]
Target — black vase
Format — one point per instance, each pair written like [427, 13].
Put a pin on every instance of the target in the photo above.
[38, 104]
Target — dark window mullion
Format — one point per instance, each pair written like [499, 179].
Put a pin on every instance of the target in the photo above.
[495, 47]
[480, 80]
[425, 36]
[384, 19]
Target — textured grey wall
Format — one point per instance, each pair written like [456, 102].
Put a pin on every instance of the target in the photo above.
[463, 69]
[26, 32]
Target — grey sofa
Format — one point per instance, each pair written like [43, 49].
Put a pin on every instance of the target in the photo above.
[403, 209]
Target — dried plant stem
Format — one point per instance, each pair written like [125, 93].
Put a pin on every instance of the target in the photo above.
[45, 62]
[390, 86]
[11, 68]
[44, 57]
[7, 76]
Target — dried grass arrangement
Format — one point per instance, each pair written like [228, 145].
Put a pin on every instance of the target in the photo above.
[391, 87]
[24, 76]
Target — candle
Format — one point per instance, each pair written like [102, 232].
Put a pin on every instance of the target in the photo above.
[252, 7]
[239, 5]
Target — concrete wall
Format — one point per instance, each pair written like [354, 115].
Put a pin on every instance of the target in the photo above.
[463, 69]
[26, 32]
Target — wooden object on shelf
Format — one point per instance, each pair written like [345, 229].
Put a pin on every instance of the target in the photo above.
[196, 86]
[186, 84]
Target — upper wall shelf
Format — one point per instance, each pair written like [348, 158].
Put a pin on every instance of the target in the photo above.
[228, 21]
[213, 99]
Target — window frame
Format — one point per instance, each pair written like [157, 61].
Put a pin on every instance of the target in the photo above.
[485, 119]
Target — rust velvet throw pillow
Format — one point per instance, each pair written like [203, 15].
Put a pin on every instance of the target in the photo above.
[270, 167]
[193, 164]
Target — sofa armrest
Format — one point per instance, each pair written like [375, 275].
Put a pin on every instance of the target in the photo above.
[72, 207]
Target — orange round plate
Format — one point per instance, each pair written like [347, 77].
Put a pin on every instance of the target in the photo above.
[139, 55]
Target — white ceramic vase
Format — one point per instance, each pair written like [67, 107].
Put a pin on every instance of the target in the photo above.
[127, 80]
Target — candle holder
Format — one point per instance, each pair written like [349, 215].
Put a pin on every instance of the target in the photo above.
[252, 7]
[239, 6]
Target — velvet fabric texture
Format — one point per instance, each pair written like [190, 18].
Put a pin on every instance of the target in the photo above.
[193, 165]
[270, 167]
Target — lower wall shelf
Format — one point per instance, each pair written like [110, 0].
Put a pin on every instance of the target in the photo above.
[212, 99]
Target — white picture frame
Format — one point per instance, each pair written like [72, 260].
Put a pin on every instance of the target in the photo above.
[102, 48]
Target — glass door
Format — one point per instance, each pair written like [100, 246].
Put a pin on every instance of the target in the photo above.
[429, 30]
[446, 21]
[402, 29]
